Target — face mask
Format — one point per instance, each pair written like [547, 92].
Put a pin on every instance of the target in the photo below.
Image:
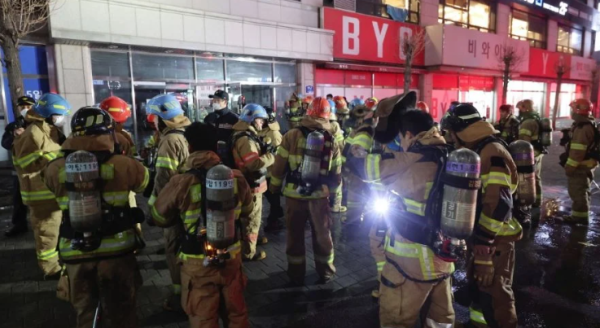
[24, 112]
[217, 106]
[59, 121]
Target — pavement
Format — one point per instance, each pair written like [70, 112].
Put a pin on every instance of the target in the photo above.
[557, 278]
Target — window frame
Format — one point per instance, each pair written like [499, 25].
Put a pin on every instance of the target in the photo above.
[543, 44]
[379, 7]
[468, 24]
[570, 50]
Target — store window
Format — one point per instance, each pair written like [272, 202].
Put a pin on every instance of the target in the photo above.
[476, 15]
[570, 40]
[529, 28]
[399, 10]
[210, 69]
[568, 93]
[249, 71]
[520, 90]
[150, 67]
[110, 64]
[111, 77]
[285, 73]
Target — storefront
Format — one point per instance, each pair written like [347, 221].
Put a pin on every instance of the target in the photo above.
[466, 66]
[137, 76]
[367, 56]
[539, 82]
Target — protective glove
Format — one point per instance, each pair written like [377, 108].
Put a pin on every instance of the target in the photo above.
[483, 267]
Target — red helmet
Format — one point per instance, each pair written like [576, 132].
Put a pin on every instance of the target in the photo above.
[340, 102]
[320, 107]
[150, 118]
[421, 105]
[117, 108]
[507, 108]
[582, 107]
[371, 103]
[307, 100]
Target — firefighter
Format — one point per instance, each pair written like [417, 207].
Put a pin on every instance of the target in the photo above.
[341, 109]
[492, 245]
[405, 283]
[582, 159]
[508, 124]
[252, 158]
[101, 266]
[338, 137]
[32, 150]
[271, 135]
[171, 153]
[119, 110]
[371, 103]
[13, 129]
[311, 177]
[295, 110]
[222, 117]
[529, 130]
[207, 290]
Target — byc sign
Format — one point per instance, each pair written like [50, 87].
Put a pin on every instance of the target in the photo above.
[561, 9]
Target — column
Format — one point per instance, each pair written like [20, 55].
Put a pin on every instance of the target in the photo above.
[74, 77]
[428, 12]
[306, 78]
[552, 35]
[502, 19]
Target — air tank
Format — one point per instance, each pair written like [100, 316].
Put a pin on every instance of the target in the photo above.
[82, 174]
[311, 163]
[220, 211]
[522, 153]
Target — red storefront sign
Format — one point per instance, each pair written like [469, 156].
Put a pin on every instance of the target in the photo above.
[359, 78]
[368, 38]
[471, 82]
[329, 76]
[543, 63]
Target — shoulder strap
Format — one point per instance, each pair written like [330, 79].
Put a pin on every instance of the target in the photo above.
[487, 141]
[201, 175]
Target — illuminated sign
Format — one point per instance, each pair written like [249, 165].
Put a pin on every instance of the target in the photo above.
[562, 8]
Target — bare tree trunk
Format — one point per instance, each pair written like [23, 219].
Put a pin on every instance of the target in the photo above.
[407, 73]
[505, 79]
[556, 100]
[13, 68]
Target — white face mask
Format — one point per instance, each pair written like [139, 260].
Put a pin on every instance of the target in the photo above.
[59, 120]
[217, 106]
[24, 112]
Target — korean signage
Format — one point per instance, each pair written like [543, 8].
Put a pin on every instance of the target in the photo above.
[560, 8]
[456, 46]
[368, 38]
[574, 11]
[543, 63]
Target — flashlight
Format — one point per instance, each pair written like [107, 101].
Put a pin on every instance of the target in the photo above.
[381, 205]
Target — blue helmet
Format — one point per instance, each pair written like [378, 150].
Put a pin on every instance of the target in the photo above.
[252, 112]
[394, 145]
[356, 102]
[165, 106]
[51, 104]
[332, 115]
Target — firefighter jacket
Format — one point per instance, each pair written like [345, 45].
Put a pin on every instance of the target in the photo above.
[125, 141]
[294, 117]
[181, 199]
[498, 183]
[172, 152]
[250, 156]
[583, 138]
[529, 130]
[120, 175]
[273, 133]
[410, 177]
[289, 157]
[509, 128]
[154, 140]
[32, 150]
[338, 134]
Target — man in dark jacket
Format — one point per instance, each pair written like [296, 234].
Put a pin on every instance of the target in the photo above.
[222, 118]
[19, 217]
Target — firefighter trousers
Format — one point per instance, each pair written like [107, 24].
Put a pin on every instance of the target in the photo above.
[251, 227]
[538, 181]
[172, 243]
[316, 211]
[45, 222]
[356, 198]
[578, 185]
[210, 293]
[401, 301]
[133, 203]
[377, 245]
[112, 283]
[494, 306]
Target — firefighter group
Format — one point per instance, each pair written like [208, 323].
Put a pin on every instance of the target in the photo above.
[431, 193]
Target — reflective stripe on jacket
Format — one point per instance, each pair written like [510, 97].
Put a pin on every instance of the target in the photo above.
[32, 151]
[171, 153]
[247, 154]
[181, 198]
[121, 175]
